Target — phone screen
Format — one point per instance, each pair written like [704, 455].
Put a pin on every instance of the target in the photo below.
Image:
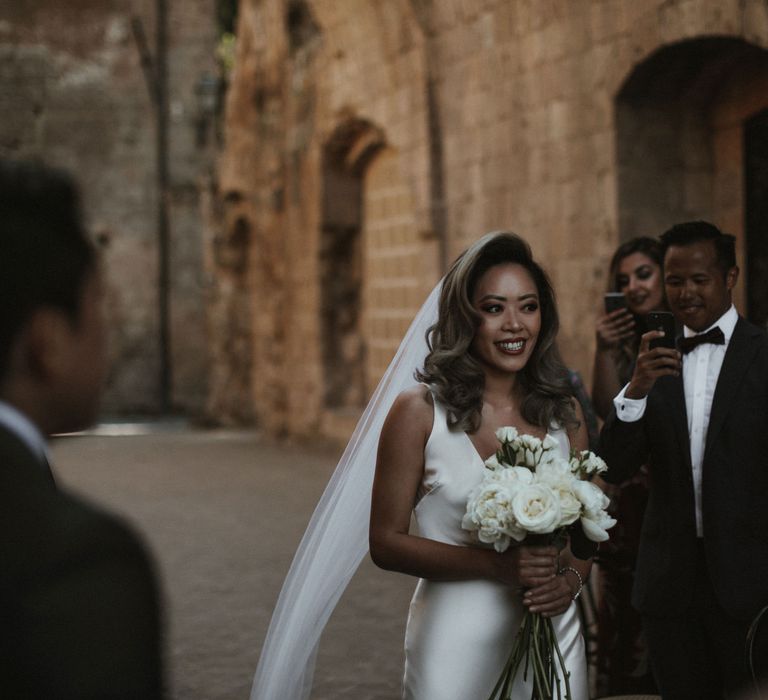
[662, 321]
[614, 300]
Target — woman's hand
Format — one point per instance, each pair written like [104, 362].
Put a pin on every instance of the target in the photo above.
[524, 566]
[614, 328]
[550, 598]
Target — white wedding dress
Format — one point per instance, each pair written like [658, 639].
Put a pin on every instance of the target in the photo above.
[460, 633]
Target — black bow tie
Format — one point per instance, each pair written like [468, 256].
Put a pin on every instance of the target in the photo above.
[713, 335]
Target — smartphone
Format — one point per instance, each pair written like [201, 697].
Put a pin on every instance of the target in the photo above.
[614, 301]
[661, 321]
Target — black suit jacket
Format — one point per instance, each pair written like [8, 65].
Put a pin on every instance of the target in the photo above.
[79, 615]
[734, 485]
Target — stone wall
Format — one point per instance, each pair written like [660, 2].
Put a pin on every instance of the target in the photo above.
[72, 92]
[369, 142]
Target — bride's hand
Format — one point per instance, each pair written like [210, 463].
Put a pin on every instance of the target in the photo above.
[550, 598]
[527, 567]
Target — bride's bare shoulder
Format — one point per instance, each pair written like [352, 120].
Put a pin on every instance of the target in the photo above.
[413, 406]
[409, 422]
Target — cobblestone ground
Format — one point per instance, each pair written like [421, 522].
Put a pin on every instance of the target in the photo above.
[223, 512]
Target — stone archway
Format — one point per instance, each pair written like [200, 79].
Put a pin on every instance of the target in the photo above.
[345, 157]
[680, 118]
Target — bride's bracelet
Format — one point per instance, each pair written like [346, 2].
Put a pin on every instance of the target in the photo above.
[578, 578]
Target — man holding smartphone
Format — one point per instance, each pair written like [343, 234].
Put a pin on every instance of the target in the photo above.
[698, 416]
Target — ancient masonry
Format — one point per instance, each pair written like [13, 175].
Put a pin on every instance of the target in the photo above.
[72, 91]
[368, 142]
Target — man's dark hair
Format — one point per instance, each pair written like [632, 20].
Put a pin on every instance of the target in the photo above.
[696, 231]
[45, 255]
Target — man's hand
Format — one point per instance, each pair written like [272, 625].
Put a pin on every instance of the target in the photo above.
[652, 364]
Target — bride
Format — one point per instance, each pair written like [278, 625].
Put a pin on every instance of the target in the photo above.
[491, 362]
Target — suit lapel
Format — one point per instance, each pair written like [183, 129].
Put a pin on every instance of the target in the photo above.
[736, 362]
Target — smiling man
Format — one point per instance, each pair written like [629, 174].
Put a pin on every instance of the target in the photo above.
[698, 417]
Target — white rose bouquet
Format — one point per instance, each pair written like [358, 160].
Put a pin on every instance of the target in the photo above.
[528, 489]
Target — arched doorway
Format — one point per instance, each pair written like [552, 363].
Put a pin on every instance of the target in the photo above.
[373, 265]
[682, 119]
[345, 158]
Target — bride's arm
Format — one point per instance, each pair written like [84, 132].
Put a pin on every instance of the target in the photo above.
[399, 470]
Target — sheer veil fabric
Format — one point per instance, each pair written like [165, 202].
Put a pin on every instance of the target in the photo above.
[336, 539]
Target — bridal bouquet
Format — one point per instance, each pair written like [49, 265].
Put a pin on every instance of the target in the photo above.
[530, 490]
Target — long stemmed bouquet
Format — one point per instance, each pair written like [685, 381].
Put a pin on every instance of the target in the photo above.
[529, 489]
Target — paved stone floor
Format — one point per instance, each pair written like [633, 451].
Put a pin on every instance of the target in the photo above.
[223, 512]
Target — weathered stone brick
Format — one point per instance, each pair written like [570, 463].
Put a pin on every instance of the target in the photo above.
[558, 120]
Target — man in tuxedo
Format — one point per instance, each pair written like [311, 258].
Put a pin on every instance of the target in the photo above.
[698, 417]
[79, 614]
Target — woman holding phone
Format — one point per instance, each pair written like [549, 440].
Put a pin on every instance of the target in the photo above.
[635, 273]
[635, 289]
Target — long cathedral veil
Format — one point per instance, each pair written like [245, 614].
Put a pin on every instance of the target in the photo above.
[336, 539]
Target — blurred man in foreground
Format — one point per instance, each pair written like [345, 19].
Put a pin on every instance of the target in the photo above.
[79, 613]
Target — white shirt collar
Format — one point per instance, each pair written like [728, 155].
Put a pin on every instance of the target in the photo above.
[727, 323]
[15, 421]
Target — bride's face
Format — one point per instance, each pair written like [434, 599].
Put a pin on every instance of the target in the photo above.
[507, 301]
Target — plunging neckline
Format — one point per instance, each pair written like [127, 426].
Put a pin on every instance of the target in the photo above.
[475, 450]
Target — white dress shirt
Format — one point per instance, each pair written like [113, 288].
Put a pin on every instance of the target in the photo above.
[701, 369]
[16, 422]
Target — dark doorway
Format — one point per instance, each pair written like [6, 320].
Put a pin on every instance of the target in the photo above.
[345, 158]
[756, 216]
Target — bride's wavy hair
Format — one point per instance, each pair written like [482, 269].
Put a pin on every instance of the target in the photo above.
[457, 378]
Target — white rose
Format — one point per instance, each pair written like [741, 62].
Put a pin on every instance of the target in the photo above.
[514, 477]
[489, 513]
[575, 465]
[570, 506]
[554, 471]
[593, 464]
[548, 456]
[591, 496]
[490, 530]
[549, 443]
[595, 525]
[557, 475]
[587, 462]
[528, 450]
[506, 434]
[536, 508]
[492, 463]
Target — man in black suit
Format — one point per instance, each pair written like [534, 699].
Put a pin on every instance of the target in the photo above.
[79, 615]
[698, 416]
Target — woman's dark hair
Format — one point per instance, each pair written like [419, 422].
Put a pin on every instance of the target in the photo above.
[45, 255]
[457, 378]
[650, 247]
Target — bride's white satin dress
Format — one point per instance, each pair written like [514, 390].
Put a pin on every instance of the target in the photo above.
[460, 633]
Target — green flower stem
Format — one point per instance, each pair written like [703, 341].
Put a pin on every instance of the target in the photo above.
[566, 673]
[539, 672]
[536, 644]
